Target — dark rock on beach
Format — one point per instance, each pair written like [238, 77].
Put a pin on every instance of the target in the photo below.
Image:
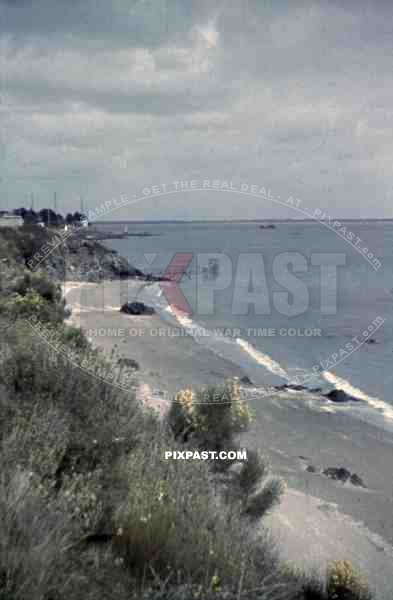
[312, 469]
[342, 474]
[340, 396]
[137, 308]
[337, 473]
[294, 386]
[129, 362]
[246, 380]
[356, 480]
[152, 277]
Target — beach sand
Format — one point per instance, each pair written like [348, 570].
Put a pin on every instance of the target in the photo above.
[319, 519]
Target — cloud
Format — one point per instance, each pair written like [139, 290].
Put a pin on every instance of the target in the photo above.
[101, 96]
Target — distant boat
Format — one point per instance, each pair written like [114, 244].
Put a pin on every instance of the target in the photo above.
[269, 226]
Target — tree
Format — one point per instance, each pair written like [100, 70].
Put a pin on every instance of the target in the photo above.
[48, 216]
[28, 215]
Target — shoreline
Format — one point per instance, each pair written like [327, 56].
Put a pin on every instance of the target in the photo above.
[288, 425]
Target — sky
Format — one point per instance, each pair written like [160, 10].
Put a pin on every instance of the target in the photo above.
[102, 98]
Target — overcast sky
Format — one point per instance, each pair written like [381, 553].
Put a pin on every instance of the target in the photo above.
[101, 98]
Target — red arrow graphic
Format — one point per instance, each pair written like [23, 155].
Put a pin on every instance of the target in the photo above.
[170, 289]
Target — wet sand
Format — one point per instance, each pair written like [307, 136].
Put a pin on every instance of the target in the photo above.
[319, 519]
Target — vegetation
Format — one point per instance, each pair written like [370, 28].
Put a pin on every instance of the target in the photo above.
[343, 581]
[209, 419]
[47, 216]
[90, 508]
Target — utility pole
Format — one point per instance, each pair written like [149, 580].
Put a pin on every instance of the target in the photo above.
[55, 201]
[31, 201]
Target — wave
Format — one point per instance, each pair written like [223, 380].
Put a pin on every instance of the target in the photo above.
[371, 410]
[263, 359]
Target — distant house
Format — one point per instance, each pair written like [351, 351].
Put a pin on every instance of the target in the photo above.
[84, 221]
[9, 220]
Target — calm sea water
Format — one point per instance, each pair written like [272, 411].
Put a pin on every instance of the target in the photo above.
[363, 294]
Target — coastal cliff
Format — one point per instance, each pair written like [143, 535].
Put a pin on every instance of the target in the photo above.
[66, 256]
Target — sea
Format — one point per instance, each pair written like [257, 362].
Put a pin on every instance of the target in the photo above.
[256, 292]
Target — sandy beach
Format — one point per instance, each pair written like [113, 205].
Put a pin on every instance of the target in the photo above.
[319, 519]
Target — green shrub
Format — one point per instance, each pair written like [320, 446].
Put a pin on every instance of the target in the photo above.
[253, 470]
[75, 338]
[23, 294]
[32, 304]
[40, 283]
[211, 416]
[171, 525]
[265, 499]
[343, 582]
[26, 241]
[41, 557]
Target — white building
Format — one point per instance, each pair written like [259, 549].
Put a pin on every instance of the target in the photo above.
[8, 220]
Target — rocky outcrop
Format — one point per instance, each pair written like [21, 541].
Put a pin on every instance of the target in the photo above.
[78, 259]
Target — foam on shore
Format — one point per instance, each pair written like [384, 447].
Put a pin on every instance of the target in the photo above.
[384, 410]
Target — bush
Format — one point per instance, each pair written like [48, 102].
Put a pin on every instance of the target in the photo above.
[345, 583]
[253, 470]
[269, 496]
[40, 283]
[304, 585]
[211, 416]
[23, 294]
[31, 542]
[29, 241]
[253, 488]
[41, 557]
[171, 526]
[74, 337]
[31, 304]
